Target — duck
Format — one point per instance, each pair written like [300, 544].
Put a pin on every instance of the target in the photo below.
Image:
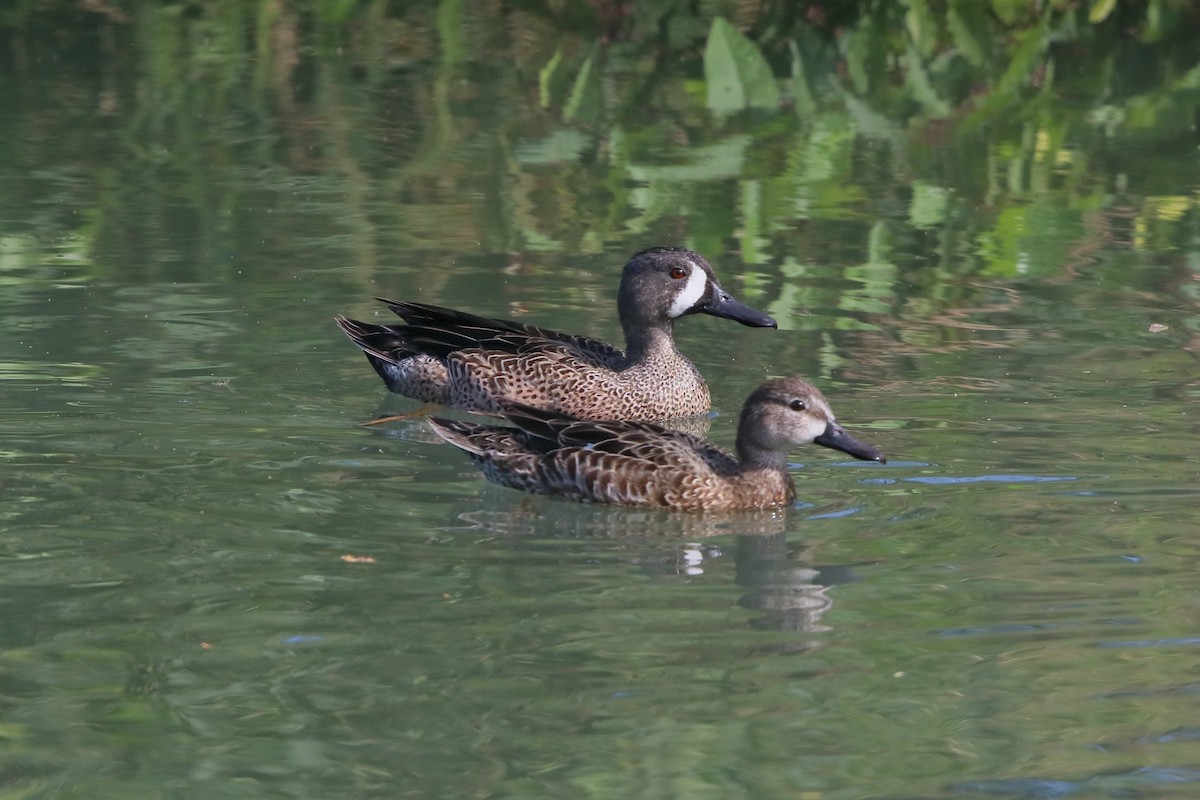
[452, 358]
[632, 463]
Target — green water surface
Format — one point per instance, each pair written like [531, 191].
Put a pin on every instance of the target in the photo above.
[215, 584]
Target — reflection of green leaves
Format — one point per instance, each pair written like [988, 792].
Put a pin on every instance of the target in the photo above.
[583, 104]
[724, 158]
[1009, 90]
[865, 149]
[1169, 110]
[561, 146]
[550, 78]
[801, 93]
[1033, 241]
[735, 71]
[929, 205]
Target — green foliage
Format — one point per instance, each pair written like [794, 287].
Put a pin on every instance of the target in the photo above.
[583, 103]
[735, 71]
[1100, 10]
[966, 22]
[956, 124]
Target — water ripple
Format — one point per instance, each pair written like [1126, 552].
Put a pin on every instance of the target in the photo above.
[1121, 783]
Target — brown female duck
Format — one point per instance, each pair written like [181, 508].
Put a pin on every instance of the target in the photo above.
[642, 464]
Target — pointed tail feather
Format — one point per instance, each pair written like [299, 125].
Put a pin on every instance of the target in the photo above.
[381, 341]
[458, 434]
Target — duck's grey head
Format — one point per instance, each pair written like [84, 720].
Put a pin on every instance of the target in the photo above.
[787, 412]
[661, 284]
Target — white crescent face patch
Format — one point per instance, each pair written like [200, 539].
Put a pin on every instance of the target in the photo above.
[690, 294]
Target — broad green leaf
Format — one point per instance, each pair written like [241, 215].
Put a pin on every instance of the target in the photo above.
[856, 47]
[1031, 46]
[918, 81]
[922, 28]
[1160, 19]
[1190, 81]
[801, 93]
[547, 78]
[735, 71]
[1100, 10]
[969, 31]
[866, 49]
[1009, 11]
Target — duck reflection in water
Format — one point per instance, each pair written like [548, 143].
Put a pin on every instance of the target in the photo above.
[778, 577]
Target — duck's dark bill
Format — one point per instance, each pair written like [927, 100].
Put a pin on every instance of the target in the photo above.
[721, 304]
[835, 436]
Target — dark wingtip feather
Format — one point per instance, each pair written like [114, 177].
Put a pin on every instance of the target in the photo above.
[377, 341]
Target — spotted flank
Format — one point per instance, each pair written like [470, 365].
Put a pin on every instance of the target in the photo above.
[643, 464]
[453, 358]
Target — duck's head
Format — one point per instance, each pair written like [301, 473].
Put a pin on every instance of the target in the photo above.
[661, 284]
[785, 413]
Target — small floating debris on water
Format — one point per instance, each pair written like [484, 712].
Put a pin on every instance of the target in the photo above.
[1158, 327]
[351, 559]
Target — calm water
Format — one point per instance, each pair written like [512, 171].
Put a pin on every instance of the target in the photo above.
[215, 583]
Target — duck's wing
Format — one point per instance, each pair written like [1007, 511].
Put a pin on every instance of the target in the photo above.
[626, 463]
[534, 430]
[479, 440]
[441, 331]
[663, 448]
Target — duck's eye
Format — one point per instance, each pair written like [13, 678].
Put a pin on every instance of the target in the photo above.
[678, 273]
[797, 405]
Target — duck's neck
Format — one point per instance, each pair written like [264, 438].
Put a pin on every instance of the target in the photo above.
[755, 458]
[649, 343]
[753, 451]
[761, 487]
